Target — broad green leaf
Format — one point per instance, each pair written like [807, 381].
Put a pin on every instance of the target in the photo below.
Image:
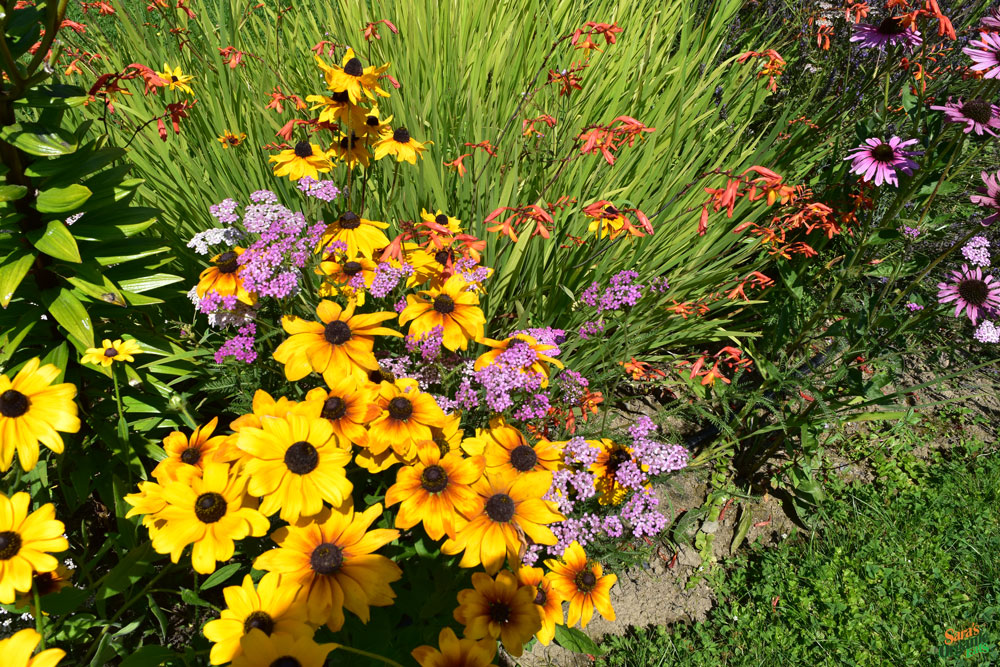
[71, 314]
[12, 272]
[220, 576]
[57, 241]
[12, 192]
[576, 640]
[128, 571]
[38, 140]
[65, 601]
[149, 282]
[149, 656]
[191, 597]
[63, 200]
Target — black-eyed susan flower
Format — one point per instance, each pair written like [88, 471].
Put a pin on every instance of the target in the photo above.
[402, 145]
[175, 78]
[407, 417]
[281, 650]
[353, 78]
[212, 513]
[547, 599]
[331, 558]
[452, 307]
[499, 609]
[351, 278]
[223, 278]
[34, 410]
[372, 125]
[448, 437]
[539, 361]
[583, 584]
[231, 140]
[46, 583]
[270, 607]
[431, 265]
[337, 109]
[455, 652]
[444, 222]
[187, 455]
[342, 343]
[611, 457]
[306, 159]
[111, 351]
[17, 651]
[148, 502]
[508, 507]
[361, 236]
[27, 540]
[352, 149]
[294, 463]
[436, 490]
[348, 405]
[263, 405]
[508, 452]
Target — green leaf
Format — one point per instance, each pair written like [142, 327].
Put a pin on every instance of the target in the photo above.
[150, 282]
[130, 570]
[191, 597]
[65, 601]
[63, 200]
[573, 639]
[149, 656]
[38, 140]
[12, 192]
[220, 576]
[12, 272]
[71, 314]
[56, 241]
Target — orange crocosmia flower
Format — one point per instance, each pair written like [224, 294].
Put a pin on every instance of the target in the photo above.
[457, 165]
[583, 584]
[486, 146]
[371, 30]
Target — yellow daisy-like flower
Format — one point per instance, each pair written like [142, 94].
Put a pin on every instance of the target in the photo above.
[352, 149]
[508, 452]
[337, 109]
[271, 608]
[33, 410]
[547, 599]
[451, 307]
[46, 583]
[187, 455]
[110, 352]
[176, 78]
[610, 224]
[17, 649]
[453, 225]
[508, 508]
[610, 457]
[448, 437]
[211, 512]
[499, 609]
[305, 159]
[455, 652]
[341, 343]
[435, 490]
[294, 464]
[331, 558]
[280, 650]
[372, 125]
[583, 584]
[407, 417]
[349, 278]
[361, 236]
[402, 145]
[539, 365]
[230, 140]
[347, 405]
[353, 78]
[27, 540]
[224, 278]
[263, 405]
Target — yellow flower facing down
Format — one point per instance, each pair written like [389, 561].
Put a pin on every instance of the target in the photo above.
[341, 343]
[540, 365]
[187, 455]
[361, 236]
[34, 410]
[347, 405]
[499, 608]
[46, 583]
[455, 652]
[212, 513]
[583, 584]
[280, 650]
[352, 149]
[17, 651]
[372, 125]
[224, 278]
[353, 78]
[271, 608]
[27, 540]
[305, 159]
[331, 558]
[402, 145]
[111, 351]
[451, 307]
[547, 599]
[175, 78]
[337, 109]
[230, 140]
[508, 452]
[294, 464]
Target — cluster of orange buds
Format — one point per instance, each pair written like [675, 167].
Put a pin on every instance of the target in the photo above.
[176, 111]
[76, 57]
[371, 30]
[108, 85]
[233, 58]
[560, 204]
[568, 79]
[688, 309]
[855, 11]
[457, 164]
[641, 370]
[823, 35]
[278, 99]
[314, 125]
[771, 69]
[520, 215]
[730, 359]
[324, 47]
[565, 419]
[485, 146]
[606, 139]
[755, 279]
[528, 125]
[766, 184]
[103, 7]
[931, 10]
[592, 28]
[165, 4]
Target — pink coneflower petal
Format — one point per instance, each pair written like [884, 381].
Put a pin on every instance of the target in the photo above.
[879, 160]
[989, 197]
[978, 115]
[985, 54]
[890, 32]
[970, 292]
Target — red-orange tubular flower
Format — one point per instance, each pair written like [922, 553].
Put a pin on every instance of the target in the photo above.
[607, 139]
[457, 165]
[371, 30]
[520, 215]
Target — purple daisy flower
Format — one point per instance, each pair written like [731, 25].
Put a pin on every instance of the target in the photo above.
[978, 115]
[880, 159]
[990, 196]
[986, 55]
[890, 32]
[970, 291]
[992, 20]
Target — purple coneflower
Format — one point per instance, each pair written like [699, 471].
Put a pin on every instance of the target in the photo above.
[978, 115]
[992, 20]
[970, 291]
[890, 31]
[986, 55]
[990, 197]
[880, 159]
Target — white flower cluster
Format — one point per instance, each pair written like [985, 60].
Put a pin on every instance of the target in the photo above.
[202, 241]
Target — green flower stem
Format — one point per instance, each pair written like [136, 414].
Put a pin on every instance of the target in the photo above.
[121, 416]
[39, 616]
[373, 656]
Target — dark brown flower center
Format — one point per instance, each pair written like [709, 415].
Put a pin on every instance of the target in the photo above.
[226, 262]
[173, 78]
[210, 507]
[45, 582]
[334, 408]
[400, 408]
[110, 352]
[500, 508]
[352, 268]
[349, 220]
[326, 558]
[303, 149]
[444, 304]
[441, 219]
[349, 142]
[442, 257]
[585, 581]
[401, 135]
[260, 620]
[434, 479]
[617, 459]
[442, 444]
[354, 67]
[883, 153]
[10, 544]
[341, 97]
[611, 210]
[371, 121]
[978, 110]
[523, 458]
[233, 140]
[974, 291]
[891, 25]
[286, 661]
[379, 376]
[541, 597]
[499, 612]
[13, 404]
[301, 458]
[337, 332]
[191, 456]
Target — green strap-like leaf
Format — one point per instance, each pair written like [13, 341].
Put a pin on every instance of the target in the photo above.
[13, 269]
[39, 140]
[71, 314]
[57, 241]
